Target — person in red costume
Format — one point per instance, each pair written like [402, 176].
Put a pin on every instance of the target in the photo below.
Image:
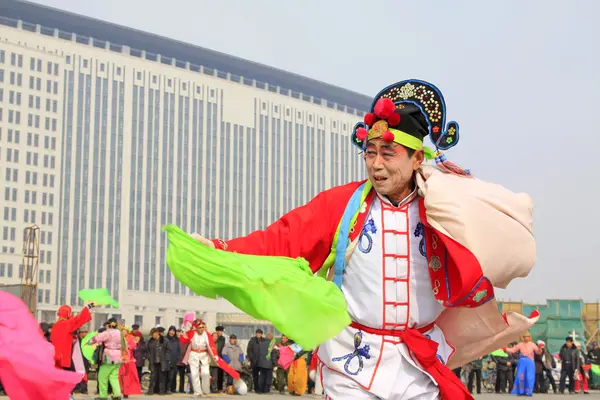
[63, 334]
[408, 284]
[200, 348]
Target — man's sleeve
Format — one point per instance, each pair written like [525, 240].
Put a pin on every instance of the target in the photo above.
[305, 232]
[81, 319]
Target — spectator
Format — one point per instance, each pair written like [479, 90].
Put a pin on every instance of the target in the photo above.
[503, 369]
[159, 365]
[252, 353]
[544, 363]
[476, 367]
[139, 353]
[234, 356]
[283, 356]
[182, 368]
[265, 364]
[175, 355]
[570, 363]
[594, 354]
[582, 374]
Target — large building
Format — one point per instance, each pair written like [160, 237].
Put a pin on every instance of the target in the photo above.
[108, 133]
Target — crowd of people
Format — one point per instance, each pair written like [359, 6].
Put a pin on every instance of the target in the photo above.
[177, 360]
[525, 368]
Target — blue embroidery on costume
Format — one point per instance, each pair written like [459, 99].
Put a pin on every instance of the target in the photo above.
[359, 352]
[420, 232]
[368, 228]
[441, 359]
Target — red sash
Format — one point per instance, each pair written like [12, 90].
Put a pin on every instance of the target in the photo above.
[425, 351]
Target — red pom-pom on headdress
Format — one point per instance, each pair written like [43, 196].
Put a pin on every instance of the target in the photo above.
[393, 119]
[361, 134]
[388, 136]
[384, 108]
[370, 119]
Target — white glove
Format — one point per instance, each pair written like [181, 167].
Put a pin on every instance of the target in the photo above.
[203, 240]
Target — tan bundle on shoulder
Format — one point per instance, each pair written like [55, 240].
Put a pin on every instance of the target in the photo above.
[494, 223]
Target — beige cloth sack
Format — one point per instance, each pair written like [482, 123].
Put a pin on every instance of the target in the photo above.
[495, 224]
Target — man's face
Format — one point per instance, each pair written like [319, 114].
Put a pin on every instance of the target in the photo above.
[219, 333]
[596, 347]
[269, 336]
[569, 344]
[82, 334]
[200, 329]
[258, 335]
[284, 339]
[390, 168]
[233, 341]
[527, 339]
[215, 336]
[155, 335]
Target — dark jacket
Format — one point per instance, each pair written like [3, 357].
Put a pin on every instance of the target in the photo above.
[501, 363]
[139, 353]
[253, 350]
[263, 351]
[569, 357]
[594, 356]
[220, 343]
[159, 353]
[174, 350]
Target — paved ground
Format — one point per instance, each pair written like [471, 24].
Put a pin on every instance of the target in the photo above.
[594, 395]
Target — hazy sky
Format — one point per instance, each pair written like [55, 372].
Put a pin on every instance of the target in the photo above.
[520, 77]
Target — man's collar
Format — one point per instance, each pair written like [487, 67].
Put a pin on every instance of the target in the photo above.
[408, 199]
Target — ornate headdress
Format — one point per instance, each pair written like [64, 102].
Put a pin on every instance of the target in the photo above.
[405, 113]
[197, 323]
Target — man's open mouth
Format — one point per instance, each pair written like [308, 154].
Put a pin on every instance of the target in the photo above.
[380, 178]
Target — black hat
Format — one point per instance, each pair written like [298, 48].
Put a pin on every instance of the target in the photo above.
[219, 328]
[160, 329]
[259, 331]
[569, 339]
[232, 337]
[172, 328]
[135, 326]
[412, 106]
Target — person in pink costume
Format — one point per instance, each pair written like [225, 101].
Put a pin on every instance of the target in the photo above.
[113, 356]
[525, 379]
[27, 365]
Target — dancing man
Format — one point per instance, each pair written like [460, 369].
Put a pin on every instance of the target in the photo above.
[418, 297]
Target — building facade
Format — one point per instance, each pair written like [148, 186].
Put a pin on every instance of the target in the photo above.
[102, 144]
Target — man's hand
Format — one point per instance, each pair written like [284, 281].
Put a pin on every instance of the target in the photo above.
[508, 364]
[203, 240]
